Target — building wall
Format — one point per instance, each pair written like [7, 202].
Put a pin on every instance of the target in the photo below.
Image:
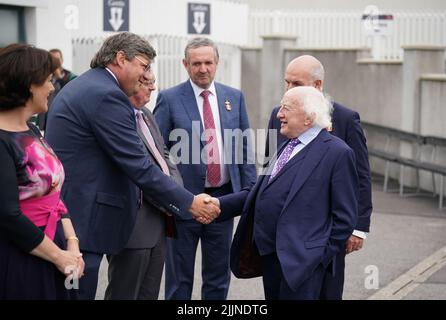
[54, 23]
[347, 4]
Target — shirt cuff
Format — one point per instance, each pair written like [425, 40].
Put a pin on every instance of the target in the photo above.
[360, 234]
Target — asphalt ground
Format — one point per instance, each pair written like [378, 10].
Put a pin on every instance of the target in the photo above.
[404, 255]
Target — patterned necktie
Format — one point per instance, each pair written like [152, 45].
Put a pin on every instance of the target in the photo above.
[284, 157]
[170, 224]
[213, 154]
[145, 131]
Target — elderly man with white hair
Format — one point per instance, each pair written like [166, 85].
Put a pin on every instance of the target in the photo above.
[300, 214]
[306, 70]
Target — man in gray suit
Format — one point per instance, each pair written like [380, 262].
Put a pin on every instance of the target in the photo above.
[135, 272]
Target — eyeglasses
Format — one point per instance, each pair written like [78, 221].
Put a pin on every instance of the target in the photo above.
[145, 65]
[148, 83]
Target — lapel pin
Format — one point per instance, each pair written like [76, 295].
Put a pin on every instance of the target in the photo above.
[228, 105]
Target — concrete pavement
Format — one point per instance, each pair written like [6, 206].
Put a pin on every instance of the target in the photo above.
[404, 256]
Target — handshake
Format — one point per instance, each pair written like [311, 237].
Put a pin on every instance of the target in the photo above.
[205, 208]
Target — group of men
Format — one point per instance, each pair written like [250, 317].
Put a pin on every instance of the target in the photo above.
[134, 199]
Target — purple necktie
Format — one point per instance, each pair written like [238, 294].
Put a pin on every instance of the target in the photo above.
[284, 157]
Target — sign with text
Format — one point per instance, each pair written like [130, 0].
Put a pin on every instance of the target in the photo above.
[116, 15]
[199, 18]
[375, 23]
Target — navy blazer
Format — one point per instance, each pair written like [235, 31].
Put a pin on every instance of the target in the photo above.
[317, 217]
[92, 128]
[347, 126]
[177, 108]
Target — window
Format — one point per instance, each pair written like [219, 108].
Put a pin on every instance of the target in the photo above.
[12, 25]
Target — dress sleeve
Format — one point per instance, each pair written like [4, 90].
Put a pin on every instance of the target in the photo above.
[14, 226]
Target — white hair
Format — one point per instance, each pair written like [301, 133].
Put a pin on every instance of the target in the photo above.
[314, 104]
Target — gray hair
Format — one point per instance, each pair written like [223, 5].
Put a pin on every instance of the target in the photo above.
[314, 104]
[199, 42]
[127, 42]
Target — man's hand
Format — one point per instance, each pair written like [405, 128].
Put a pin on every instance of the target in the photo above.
[210, 200]
[354, 243]
[204, 211]
[213, 200]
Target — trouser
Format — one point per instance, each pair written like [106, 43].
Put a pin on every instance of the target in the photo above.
[135, 274]
[215, 247]
[89, 282]
[276, 287]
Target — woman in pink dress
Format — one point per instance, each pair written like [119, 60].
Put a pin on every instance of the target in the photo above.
[39, 250]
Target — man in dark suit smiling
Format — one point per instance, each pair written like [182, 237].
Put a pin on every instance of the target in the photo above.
[308, 71]
[92, 128]
[299, 215]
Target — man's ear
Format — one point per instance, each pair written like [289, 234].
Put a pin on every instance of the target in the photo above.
[309, 120]
[318, 84]
[120, 59]
[185, 63]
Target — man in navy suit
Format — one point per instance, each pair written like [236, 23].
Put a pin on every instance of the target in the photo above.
[92, 128]
[308, 71]
[299, 215]
[207, 111]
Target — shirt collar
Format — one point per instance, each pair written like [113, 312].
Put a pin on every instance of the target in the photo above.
[198, 90]
[111, 72]
[309, 135]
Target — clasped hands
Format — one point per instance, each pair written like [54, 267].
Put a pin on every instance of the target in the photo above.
[205, 208]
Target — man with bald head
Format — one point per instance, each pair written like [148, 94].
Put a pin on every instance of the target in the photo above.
[306, 70]
[302, 210]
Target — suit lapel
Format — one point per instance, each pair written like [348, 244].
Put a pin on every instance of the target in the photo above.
[317, 149]
[290, 164]
[223, 113]
[143, 138]
[190, 105]
[254, 191]
[150, 121]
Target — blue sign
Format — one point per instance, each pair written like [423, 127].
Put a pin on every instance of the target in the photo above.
[199, 18]
[116, 15]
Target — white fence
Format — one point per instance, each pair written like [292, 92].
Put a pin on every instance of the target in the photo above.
[168, 67]
[318, 29]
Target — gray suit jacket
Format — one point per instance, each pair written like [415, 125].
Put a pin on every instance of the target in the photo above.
[150, 219]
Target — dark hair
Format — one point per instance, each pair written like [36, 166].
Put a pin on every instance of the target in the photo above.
[55, 50]
[22, 65]
[130, 43]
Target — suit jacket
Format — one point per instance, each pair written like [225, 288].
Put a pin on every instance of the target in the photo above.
[92, 128]
[347, 126]
[177, 108]
[316, 219]
[150, 219]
